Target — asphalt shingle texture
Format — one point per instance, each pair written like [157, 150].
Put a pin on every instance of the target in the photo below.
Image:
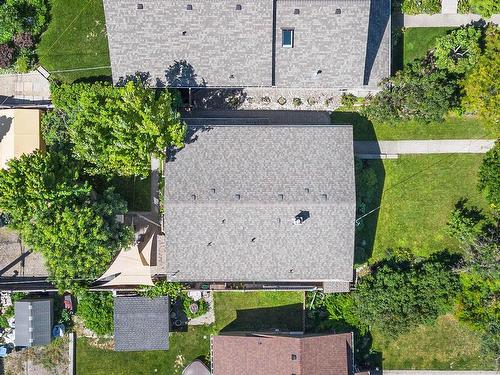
[141, 323]
[233, 192]
[216, 45]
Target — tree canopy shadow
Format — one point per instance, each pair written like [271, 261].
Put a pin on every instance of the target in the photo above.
[269, 319]
[182, 74]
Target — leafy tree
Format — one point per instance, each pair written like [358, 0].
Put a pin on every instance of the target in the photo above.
[421, 6]
[25, 15]
[418, 92]
[10, 23]
[481, 84]
[73, 227]
[489, 176]
[55, 132]
[117, 129]
[485, 8]
[96, 310]
[458, 51]
[402, 292]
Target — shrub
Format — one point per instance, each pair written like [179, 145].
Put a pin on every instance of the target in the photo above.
[485, 8]
[10, 23]
[489, 176]
[265, 100]
[403, 292]
[96, 311]
[458, 51]
[33, 14]
[348, 100]
[418, 92]
[3, 322]
[23, 40]
[463, 6]
[297, 102]
[281, 100]
[202, 307]
[311, 100]
[421, 6]
[22, 64]
[162, 288]
[6, 55]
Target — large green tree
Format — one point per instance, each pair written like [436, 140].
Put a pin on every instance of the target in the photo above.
[117, 129]
[61, 217]
[481, 85]
[418, 92]
[459, 50]
[489, 176]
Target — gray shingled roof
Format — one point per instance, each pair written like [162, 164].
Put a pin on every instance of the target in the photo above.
[216, 45]
[34, 318]
[141, 323]
[277, 171]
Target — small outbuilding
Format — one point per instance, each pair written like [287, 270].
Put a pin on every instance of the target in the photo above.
[141, 323]
[34, 320]
[196, 367]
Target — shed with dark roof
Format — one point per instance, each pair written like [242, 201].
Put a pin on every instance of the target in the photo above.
[261, 204]
[34, 319]
[141, 323]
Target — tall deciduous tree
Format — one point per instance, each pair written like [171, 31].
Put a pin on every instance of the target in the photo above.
[489, 176]
[458, 51]
[116, 130]
[481, 85]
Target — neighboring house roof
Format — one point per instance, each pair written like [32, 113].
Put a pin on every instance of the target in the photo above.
[141, 323]
[17, 261]
[270, 354]
[19, 133]
[34, 319]
[214, 44]
[232, 195]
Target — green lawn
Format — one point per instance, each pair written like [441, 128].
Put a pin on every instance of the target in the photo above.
[233, 310]
[259, 310]
[419, 193]
[75, 38]
[418, 40]
[136, 191]
[445, 345]
[452, 127]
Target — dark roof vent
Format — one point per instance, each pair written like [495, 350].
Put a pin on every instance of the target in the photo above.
[253, 239]
[301, 217]
[213, 191]
[140, 6]
[319, 71]
[189, 7]
[193, 196]
[237, 196]
[184, 33]
[338, 11]
[296, 11]
[231, 76]
[324, 197]
[307, 190]
[281, 197]
[209, 244]
[238, 6]
[294, 357]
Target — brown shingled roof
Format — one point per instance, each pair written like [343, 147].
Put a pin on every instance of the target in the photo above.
[256, 354]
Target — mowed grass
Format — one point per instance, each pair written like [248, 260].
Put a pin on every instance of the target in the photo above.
[452, 127]
[418, 40]
[419, 193]
[446, 345]
[184, 348]
[282, 309]
[237, 311]
[75, 38]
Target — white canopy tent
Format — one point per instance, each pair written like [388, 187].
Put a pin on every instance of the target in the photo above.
[132, 266]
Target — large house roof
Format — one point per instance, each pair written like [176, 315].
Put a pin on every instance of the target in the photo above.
[216, 45]
[269, 354]
[141, 323]
[233, 193]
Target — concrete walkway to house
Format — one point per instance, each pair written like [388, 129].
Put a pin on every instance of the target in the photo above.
[441, 19]
[391, 149]
[18, 88]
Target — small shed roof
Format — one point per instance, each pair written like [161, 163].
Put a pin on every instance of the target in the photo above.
[141, 323]
[19, 133]
[196, 367]
[34, 319]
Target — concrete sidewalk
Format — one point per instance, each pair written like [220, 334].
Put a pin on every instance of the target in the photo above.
[441, 20]
[388, 149]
